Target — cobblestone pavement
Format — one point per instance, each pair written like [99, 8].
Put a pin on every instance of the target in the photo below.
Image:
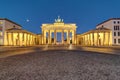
[60, 65]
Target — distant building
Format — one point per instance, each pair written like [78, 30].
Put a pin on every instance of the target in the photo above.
[114, 25]
[12, 34]
[96, 37]
[4, 25]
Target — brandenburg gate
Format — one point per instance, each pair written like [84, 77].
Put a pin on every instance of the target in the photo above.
[61, 27]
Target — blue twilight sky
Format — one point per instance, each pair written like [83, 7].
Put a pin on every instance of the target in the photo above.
[85, 13]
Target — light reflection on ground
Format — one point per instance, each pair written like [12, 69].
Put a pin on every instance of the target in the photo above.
[73, 47]
[16, 51]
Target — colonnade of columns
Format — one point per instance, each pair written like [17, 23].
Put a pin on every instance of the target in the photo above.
[95, 39]
[44, 36]
[19, 39]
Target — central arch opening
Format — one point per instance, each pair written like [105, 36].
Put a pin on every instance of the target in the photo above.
[59, 38]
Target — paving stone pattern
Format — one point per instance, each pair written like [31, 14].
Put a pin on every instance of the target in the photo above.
[60, 65]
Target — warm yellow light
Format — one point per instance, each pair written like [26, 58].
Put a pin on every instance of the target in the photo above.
[1, 22]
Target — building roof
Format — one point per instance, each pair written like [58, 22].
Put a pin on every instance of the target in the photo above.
[10, 21]
[108, 20]
[19, 30]
[101, 29]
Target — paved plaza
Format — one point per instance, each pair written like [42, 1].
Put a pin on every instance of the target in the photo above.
[60, 63]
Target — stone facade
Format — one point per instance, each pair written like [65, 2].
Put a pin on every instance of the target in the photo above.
[114, 25]
[12, 34]
[97, 37]
[106, 33]
[61, 27]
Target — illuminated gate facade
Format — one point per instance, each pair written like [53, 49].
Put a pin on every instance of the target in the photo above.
[59, 26]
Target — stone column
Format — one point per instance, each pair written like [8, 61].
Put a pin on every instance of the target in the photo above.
[49, 37]
[33, 42]
[103, 38]
[83, 40]
[55, 37]
[30, 37]
[74, 36]
[97, 38]
[26, 39]
[7, 34]
[22, 39]
[10, 38]
[68, 37]
[108, 38]
[87, 39]
[90, 39]
[93, 38]
[62, 36]
[13, 39]
[18, 39]
[44, 37]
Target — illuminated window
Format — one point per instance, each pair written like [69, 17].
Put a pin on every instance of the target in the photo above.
[1, 22]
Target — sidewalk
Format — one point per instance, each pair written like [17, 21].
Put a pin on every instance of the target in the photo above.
[6, 51]
[14, 48]
[113, 47]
